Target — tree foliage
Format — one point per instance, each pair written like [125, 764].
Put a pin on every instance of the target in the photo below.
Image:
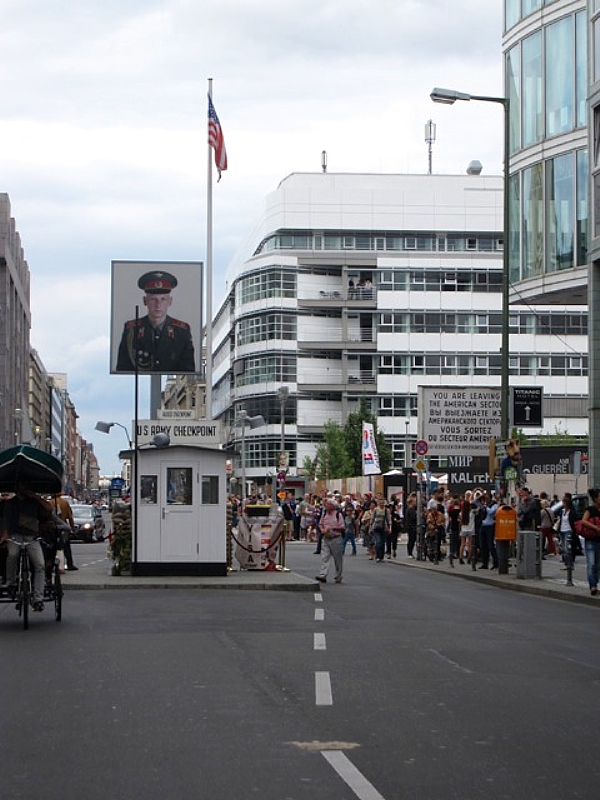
[340, 453]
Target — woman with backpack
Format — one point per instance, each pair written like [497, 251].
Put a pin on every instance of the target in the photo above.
[381, 526]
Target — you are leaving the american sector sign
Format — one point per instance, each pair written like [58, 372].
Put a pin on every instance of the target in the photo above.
[459, 420]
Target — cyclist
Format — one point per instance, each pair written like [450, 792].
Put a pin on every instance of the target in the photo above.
[20, 520]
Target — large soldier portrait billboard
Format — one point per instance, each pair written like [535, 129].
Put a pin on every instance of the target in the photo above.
[164, 336]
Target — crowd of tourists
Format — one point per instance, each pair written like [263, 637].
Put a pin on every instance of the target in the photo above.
[457, 526]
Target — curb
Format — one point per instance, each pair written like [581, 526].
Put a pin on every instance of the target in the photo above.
[511, 583]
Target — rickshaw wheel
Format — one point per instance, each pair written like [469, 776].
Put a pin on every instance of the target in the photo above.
[58, 593]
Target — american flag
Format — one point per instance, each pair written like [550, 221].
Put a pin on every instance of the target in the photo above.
[215, 138]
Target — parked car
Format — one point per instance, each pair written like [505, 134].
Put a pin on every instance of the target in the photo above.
[89, 524]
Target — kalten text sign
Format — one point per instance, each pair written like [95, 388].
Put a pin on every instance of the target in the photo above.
[456, 420]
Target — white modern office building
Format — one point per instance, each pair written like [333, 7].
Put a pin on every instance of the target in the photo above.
[367, 286]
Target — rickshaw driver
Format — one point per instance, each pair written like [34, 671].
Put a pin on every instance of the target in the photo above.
[20, 519]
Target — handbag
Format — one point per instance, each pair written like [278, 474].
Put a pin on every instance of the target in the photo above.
[586, 533]
[556, 525]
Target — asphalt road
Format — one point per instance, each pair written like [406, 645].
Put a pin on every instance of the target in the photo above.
[397, 684]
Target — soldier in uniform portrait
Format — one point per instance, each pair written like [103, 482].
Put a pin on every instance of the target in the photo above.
[158, 342]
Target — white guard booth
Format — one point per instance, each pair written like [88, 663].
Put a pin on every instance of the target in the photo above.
[181, 512]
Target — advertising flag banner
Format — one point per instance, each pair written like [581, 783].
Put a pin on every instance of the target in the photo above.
[370, 457]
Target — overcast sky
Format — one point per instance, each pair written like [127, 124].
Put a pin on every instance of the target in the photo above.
[103, 136]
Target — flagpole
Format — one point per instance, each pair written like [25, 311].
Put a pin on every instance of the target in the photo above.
[209, 290]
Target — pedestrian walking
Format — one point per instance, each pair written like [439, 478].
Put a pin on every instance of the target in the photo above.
[546, 523]
[332, 528]
[367, 534]
[350, 529]
[591, 532]
[381, 525]
[410, 524]
[391, 545]
[487, 537]
[565, 526]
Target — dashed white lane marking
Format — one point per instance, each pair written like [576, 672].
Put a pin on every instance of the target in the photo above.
[323, 695]
[318, 597]
[350, 775]
[319, 641]
[319, 614]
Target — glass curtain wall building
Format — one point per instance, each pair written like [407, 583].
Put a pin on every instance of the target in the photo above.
[552, 77]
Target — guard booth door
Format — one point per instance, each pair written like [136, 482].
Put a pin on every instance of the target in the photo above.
[179, 509]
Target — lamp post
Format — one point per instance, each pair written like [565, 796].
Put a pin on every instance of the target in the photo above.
[243, 418]
[449, 96]
[283, 394]
[18, 415]
[254, 422]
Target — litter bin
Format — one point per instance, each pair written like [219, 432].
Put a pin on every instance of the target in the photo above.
[505, 532]
[528, 555]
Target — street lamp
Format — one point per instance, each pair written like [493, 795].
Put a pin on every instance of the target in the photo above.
[18, 415]
[449, 96]
[253, 422]
[283, 394]
[104, 427]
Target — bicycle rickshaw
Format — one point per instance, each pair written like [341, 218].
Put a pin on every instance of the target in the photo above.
[43, 474]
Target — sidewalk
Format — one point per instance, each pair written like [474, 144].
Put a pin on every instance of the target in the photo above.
[97, 575]
[553, 583]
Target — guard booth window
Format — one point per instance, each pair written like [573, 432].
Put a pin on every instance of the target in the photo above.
[210, 490]
[179, 486]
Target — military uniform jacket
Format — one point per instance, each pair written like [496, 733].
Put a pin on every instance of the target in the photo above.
[169, 349]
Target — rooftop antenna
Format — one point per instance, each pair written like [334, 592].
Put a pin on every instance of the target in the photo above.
[324, 160]
[430, 139]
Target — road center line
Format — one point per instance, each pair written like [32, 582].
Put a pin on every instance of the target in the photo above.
[319, 614]
[319, 641]
[323, 695]
[318, 597]
[350, 775]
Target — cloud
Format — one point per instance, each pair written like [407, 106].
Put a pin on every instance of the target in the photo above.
[104, 135]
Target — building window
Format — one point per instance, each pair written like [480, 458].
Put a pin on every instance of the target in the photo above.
[533, 221]
[532, 127]
[560, 213]
[559, 77]
[529, 6]
[274, 282]
[581, 223]
[514, 228]
[513, 83]
[512, 12]
[581, 69]
[596, 28]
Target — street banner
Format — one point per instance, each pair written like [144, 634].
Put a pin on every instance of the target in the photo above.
[370, 457]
